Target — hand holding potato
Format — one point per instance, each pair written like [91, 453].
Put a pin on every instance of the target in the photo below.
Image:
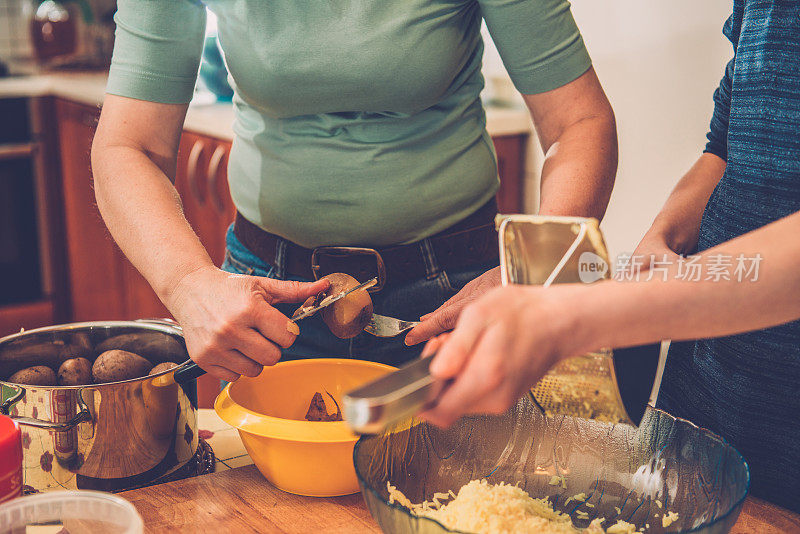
[229, 323]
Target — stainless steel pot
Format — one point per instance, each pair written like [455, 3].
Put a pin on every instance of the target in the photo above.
[112, 436]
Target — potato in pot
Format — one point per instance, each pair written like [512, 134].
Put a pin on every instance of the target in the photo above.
[75, 372]
[115, 365]
[161, 367]
[154, 346]
[38, 375]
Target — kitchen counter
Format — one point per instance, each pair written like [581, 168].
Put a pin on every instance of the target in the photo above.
[212, 119]
[239, 499]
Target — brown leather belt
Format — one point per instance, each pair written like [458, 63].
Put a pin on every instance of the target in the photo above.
[472, 241]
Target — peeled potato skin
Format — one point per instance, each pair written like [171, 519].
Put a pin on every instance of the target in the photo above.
[347, 317]
[115, 365]
[38, 375]
[75, 372]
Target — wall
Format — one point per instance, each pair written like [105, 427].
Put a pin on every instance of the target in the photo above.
[14, 41]
[659, 62]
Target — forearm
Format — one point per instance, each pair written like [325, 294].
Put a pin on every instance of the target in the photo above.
[579, 168]
[578, 134]
[143, 212]
[679, 219]
[617, 314]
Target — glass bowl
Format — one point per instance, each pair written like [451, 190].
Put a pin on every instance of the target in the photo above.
[666, 464]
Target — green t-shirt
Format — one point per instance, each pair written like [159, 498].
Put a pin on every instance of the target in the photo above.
[357, 122]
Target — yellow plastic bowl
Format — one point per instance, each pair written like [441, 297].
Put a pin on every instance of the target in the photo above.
[298, 456]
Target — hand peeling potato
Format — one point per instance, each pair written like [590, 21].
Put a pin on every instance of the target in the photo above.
[346, 317]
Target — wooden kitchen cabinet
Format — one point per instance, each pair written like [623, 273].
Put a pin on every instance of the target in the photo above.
[510, 151]
[94, 266]
[103, 285]
[202, 182]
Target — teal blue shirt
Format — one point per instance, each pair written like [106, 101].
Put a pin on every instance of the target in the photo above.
[357, 122]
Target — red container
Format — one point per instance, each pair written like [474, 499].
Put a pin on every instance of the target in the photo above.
[10, 459]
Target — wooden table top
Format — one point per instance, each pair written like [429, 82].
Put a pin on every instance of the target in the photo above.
[241, 500]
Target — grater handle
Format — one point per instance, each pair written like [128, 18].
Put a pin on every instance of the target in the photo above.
[374, 407]
[636, 369]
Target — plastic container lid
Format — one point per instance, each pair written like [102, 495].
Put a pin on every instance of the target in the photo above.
[80, 512]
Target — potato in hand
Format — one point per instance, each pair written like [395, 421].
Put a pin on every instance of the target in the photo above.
[347, 317]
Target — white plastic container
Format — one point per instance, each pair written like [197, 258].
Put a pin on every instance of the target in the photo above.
[79, 512]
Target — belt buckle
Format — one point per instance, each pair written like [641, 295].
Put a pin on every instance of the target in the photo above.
[350, 251]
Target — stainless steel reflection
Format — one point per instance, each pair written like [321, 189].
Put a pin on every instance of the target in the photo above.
[110, 436]
[532, 248]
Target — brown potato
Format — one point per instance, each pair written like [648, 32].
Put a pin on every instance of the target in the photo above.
[115, 365]
[154, 346]
[24, 353]
[161, 367]
[75, 372]
[71, 351]
[38, 375]
[347, 317]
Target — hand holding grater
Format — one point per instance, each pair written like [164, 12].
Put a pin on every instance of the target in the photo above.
[612, 386]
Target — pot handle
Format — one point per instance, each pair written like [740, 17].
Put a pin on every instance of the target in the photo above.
[5, 408]
[188, 372]
[80, 417]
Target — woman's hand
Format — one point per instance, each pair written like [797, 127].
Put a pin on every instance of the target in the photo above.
[444, 318]
[230, 325]
[502, 344]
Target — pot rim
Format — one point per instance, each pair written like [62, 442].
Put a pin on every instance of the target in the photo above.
[159, 325]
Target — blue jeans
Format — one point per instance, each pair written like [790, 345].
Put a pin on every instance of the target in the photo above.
[405, 300]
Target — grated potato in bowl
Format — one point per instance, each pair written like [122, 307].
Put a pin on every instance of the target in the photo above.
[483, 508]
